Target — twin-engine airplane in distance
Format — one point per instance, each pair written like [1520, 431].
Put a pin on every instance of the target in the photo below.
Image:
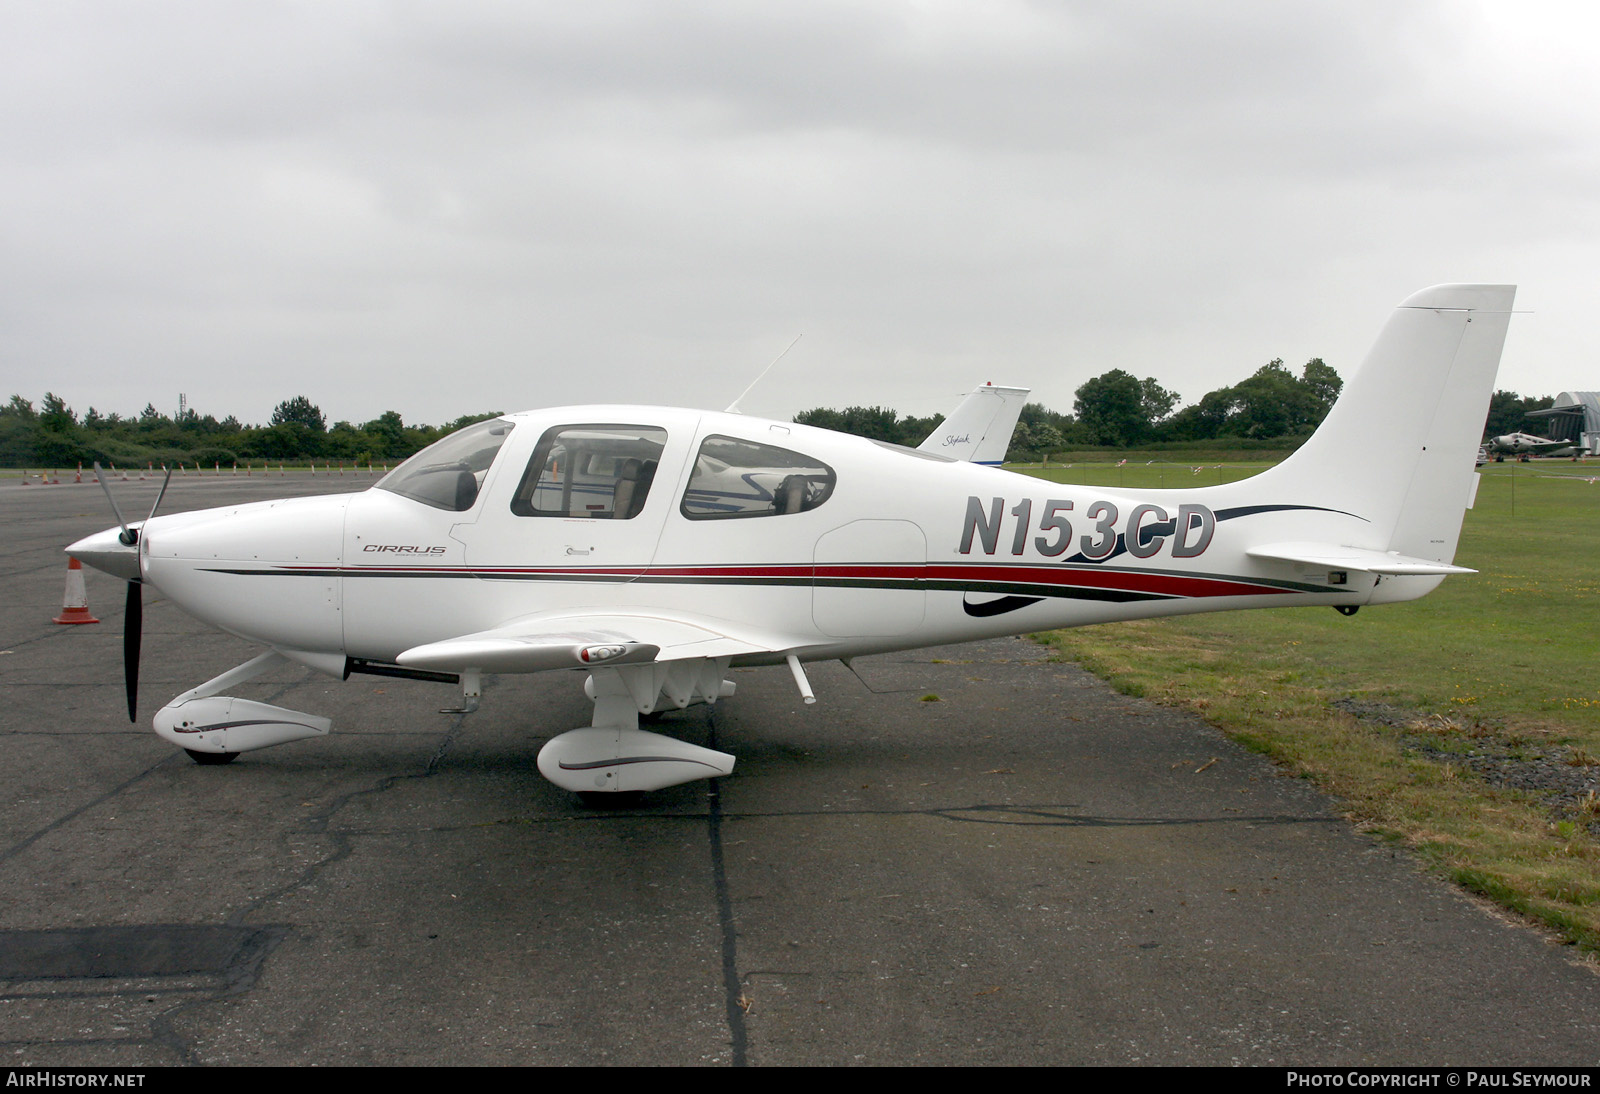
[1526, 444]
[653, 548]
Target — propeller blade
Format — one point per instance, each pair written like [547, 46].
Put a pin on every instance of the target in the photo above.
[127, 534]
[164, 484]
[132, 625]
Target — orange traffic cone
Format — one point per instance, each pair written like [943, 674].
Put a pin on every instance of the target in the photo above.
[75, 604]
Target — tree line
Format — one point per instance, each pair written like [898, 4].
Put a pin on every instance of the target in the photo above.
[53, 435]
[1114, 409]
[1118, 410]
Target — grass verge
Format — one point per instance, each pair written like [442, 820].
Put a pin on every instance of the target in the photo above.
[1465, 726]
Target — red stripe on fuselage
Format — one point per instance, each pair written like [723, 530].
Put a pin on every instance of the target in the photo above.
[1154, 583]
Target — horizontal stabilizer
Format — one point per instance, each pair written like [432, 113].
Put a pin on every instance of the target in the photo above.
[1331, 557]
[542, 642]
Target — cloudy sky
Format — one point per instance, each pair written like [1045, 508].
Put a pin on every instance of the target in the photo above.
[447, 208]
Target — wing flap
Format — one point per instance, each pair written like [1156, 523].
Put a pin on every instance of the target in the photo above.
[1334, 557]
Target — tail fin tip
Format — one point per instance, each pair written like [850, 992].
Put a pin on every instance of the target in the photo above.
[1462, 297]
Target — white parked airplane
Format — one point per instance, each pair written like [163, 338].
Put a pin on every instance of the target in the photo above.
[654, 548]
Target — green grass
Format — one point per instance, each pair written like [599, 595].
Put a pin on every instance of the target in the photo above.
[1161, 474]
[1501, 662]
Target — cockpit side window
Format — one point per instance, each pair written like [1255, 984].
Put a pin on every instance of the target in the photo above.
[735, 478]
[599, 472]
[449, 473]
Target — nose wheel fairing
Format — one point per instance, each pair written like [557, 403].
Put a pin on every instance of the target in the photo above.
[224, 724]
[204, 720]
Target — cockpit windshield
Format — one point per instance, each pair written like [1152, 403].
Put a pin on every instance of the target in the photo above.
[448, 473]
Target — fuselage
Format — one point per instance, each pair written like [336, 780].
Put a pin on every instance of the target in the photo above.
[842, 545]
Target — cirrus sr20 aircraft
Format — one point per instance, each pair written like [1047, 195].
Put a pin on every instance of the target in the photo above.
[652, 548]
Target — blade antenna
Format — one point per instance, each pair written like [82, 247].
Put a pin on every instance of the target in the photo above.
[849, 663]
[733, 407]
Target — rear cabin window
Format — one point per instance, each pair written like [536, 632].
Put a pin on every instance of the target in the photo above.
[734, 478]
[602, 472]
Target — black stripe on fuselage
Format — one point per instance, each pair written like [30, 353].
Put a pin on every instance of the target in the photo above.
[992, 579]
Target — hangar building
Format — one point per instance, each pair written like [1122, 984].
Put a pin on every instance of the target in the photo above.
[1575, 417]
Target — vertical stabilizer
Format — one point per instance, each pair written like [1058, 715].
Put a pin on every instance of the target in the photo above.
[1399, 448]
[979, 430]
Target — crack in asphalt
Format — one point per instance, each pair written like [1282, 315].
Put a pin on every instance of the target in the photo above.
[241, 971]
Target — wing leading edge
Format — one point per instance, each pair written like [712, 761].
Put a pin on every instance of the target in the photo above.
[569, 641]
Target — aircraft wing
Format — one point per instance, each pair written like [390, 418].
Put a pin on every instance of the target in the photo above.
[571, 641]
[1334, 557]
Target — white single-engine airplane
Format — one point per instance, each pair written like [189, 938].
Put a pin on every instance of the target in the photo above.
[653, 548]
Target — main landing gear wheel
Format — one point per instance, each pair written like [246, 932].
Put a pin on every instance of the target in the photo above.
[212, 759]
[611, 799]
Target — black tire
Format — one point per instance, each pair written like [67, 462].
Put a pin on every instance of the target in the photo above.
[611, 799]
[212, 759]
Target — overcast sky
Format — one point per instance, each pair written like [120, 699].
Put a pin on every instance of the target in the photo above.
[448, 208]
